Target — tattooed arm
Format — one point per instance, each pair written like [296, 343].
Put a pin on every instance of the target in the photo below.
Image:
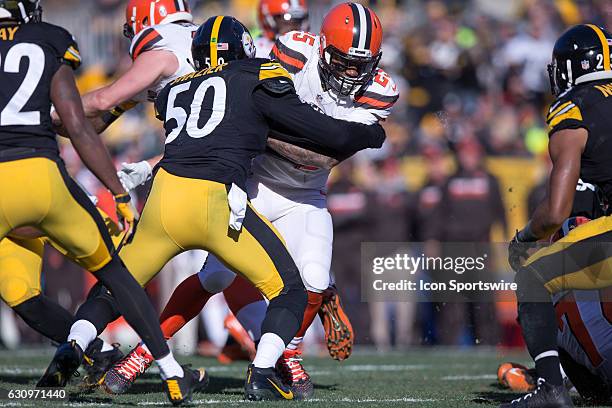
[301, 156]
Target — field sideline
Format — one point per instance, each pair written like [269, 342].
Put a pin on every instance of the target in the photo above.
[420, 378]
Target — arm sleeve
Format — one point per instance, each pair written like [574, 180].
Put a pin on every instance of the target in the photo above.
[297, 123]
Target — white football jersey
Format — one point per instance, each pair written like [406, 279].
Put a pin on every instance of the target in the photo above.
[298, 52]
[173, 37]
[263, 47]
[585, 329]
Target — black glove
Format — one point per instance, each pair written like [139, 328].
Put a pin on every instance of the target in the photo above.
[517, 252]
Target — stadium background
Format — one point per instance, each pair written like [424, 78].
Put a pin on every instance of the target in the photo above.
[474, 89]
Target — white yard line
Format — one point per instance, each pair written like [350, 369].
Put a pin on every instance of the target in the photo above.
[469, 377]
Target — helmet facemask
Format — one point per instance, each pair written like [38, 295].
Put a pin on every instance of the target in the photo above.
[26, 11]
[335, 64]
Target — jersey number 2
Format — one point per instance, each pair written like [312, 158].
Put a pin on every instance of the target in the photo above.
[180, 115]
[12, 114]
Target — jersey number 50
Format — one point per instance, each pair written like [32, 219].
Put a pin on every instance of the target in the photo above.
[12, 114]
[189, 122]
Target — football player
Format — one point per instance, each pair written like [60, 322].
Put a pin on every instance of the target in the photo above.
[278, 17]
[217, 120]
[21, 260]
[36, 189]
[338, 73]
[580, 147]
[160, 32]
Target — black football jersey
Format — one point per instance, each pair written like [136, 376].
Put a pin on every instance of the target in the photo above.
[30, 55]
[588, 106]
[213, 128]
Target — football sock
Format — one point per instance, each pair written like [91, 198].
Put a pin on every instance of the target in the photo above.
[168, 367]
[539, 323]
[240, 294]
[548, 367]
[312, 308]
[251, 316]
[187, 300]
[270, 348]
[83, 333]
[134, 305]
[46, 317]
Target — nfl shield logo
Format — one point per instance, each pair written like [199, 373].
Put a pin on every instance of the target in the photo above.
[585, 64]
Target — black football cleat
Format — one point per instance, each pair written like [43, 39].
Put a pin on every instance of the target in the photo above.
[97, 362]
[263, 384]
[180, 389]
[544, 396]
[63, 367]
[290, 368]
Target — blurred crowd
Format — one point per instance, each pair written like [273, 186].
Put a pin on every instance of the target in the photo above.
[466, 143]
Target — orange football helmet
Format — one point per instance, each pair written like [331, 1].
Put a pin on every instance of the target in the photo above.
[140, 14]
[273, 14]
[350, 47]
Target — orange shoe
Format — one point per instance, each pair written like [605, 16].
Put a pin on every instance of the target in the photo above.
[241, 336]
[516, 377]
[339, 334]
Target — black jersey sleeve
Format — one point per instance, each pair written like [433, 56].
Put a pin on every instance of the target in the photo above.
[567, 112]
[64, 46]
[295, 122]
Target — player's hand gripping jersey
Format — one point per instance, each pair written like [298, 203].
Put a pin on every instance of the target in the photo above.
[217, 120]
[298, 52]
[173, 37]
[31, 54]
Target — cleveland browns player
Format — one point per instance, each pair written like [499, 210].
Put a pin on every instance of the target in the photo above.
[338, 73]
[278, 17]
[580, 148]
[51, 201]
[217, 120]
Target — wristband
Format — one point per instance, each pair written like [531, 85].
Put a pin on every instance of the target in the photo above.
[123, 198]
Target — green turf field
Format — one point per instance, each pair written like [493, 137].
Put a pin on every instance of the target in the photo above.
[420, 378]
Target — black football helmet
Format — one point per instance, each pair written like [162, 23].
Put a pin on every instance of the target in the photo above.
[219, 40]
[580, 55]
[25, 11]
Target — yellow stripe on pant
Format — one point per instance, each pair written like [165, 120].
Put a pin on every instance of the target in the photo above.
[183, 214]
[580, 260]
[38, 192]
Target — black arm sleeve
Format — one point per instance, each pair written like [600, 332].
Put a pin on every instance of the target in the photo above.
[297, 123]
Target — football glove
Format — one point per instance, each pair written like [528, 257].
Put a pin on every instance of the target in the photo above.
[134, 174]
[518, 252]
[126, 212]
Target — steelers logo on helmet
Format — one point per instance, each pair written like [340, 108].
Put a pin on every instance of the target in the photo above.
[248, 44]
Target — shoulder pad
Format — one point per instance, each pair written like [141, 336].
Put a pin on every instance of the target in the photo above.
[64, 44]
[274, 78]
[565, 112]
[380, 94]
[293, 50]
[146, 40]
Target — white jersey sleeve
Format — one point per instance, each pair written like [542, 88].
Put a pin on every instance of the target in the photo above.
[379, 96]
[175, 38]
[294, 50]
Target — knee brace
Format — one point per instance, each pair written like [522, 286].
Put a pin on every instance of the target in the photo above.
[315, 277]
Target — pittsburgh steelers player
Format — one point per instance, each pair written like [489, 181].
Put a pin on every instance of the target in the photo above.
[36, 189]
[580, 147]
[217, 120]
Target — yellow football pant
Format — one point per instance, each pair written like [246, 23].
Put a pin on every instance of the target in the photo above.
[581, 260]
[20, 266]
[183, 214]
